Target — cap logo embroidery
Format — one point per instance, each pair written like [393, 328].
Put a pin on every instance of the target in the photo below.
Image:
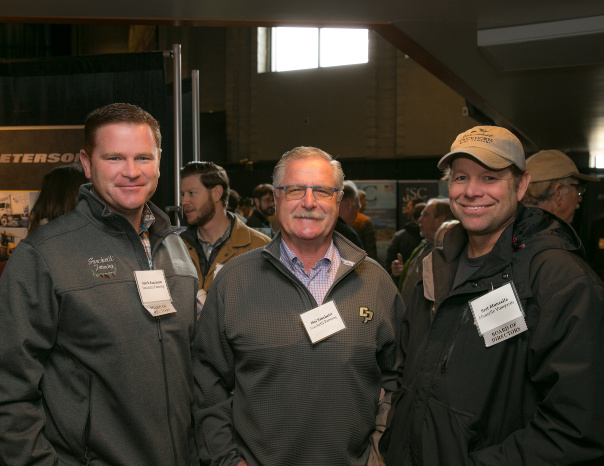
[366, 314]
[479, 135]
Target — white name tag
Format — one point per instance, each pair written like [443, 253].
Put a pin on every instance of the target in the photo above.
[498, 315]
[154, 292]
[322, 322]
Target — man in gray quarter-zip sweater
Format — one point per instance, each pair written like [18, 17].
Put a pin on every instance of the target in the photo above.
[265, 393]
[88, 375]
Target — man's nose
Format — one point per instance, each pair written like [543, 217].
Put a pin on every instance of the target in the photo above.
[131, 169]
[473, 188]
[308, 200]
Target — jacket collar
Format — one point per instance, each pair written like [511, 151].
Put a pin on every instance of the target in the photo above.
[350, 254]
[97, 212]
[532, 231]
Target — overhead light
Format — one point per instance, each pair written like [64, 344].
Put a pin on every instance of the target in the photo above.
[555, 44]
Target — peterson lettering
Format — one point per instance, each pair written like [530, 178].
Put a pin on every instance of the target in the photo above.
[54, 157]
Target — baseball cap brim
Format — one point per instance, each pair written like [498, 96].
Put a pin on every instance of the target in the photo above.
[581, 176]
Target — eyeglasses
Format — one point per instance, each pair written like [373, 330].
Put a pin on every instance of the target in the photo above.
[580, 188]
[295, 192]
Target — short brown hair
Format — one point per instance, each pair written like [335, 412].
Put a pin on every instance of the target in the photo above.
[210, 175]
[262, 190]
[117, 113]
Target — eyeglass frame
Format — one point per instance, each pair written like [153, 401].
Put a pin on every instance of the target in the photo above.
[580, 188]
[312, 188]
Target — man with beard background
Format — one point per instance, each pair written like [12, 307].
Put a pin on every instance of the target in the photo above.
[214, 236]
[264, 207]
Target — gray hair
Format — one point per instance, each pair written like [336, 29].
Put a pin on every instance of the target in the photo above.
[543, 191]
[442, 207]
[304, 152]
[350, 190]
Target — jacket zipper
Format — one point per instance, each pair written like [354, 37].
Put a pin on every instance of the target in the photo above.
[445, 361]
[85, 459]
[168, 413]
[154, 249]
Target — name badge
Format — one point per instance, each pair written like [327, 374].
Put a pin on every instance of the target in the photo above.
[154, 292]
[322, 322]
[498, 315]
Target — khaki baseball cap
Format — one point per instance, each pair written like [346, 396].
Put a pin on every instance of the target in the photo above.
[493, 146]
[550, 165]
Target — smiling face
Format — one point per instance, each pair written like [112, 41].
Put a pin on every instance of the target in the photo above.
[197, 201]
[307, 220]
[123, 168]
[482, 199]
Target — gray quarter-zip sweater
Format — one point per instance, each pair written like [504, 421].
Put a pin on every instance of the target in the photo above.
[294, 403]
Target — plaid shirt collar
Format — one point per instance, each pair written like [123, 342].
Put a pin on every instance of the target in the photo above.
[147, 219]
[321, 276]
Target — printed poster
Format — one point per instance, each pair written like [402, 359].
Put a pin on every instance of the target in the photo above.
[381, 207]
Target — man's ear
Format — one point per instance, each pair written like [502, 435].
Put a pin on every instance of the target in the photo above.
[523, 185]
[558, 193]
[217, 192]
[257, 203]
[85, 161]
[158, 162]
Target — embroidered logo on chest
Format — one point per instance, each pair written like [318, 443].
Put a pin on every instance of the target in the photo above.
[103, 267]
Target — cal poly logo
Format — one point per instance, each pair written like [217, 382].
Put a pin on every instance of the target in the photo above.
[366, 314]
[103, 267]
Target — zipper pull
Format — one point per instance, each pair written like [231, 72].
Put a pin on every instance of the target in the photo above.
[158, 328]
[443, 365]
[84, 459]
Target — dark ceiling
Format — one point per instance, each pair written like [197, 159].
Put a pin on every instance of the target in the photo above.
[539, 68]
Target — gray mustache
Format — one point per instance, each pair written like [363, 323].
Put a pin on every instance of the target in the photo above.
[308, 214]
